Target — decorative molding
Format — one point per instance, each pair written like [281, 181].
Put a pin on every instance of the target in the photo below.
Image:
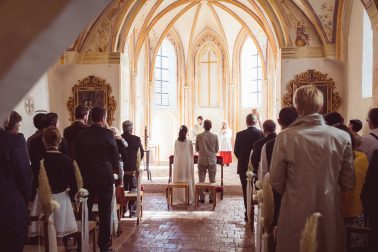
[302, 52]
[321, 81]
[92, 58]
[99, 87]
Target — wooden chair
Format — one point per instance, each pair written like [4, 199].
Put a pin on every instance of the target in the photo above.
[177, 185]
[133, 196]
[219, 189]
[92, 228]
[211, 187]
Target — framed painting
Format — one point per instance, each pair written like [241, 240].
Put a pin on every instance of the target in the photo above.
[332, 100]
[92, 91]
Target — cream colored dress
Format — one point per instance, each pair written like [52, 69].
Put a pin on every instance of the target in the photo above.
[183, 170]
[311, 164]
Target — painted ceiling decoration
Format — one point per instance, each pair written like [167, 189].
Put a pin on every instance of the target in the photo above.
[272, 24]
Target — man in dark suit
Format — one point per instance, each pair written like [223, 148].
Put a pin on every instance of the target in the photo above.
[244, 142]
[97, 157]
[269, 129]
[70, 133]
[286, 117]
[39, 123]
[15, 184]
[134, 144]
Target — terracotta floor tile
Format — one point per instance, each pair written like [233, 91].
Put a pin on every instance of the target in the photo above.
[194, 230]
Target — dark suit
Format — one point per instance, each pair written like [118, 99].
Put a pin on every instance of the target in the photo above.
[129, 182]
[15, 186]
[257, 147]
[244, 142]
[134, 144]
[70, 135]
[370, 201]
[36, 153]
[277, 197]
[97, 156]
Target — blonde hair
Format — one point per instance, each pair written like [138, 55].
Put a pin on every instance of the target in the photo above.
[115, 131]
[308, 100]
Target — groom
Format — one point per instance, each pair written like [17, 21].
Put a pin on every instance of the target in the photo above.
[207, 147]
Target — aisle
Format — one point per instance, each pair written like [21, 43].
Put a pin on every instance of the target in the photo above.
[192, 230]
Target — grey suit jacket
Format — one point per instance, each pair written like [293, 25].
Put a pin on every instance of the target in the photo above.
[207, 147]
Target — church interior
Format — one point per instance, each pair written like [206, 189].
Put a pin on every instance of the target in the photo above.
[163, 63]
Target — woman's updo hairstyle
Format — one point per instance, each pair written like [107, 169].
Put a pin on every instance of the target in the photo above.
[182, 133]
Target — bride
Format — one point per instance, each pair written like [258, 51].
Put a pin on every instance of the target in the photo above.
[183, 166]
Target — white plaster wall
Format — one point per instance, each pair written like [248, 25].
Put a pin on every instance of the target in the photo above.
[40, 94]
[355, 106]
[334, 69]
[140, 96]
[62, 77]
[124, 103]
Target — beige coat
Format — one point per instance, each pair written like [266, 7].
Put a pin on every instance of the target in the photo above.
[207, 147]
[311, 164]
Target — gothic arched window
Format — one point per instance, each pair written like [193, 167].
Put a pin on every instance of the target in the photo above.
[165, 76]
[367, 58]
[251, 75]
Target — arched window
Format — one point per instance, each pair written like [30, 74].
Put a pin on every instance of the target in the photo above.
[251, 75]
[367, 58]
[165, 76]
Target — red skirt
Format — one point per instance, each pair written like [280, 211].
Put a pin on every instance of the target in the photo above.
[227, 157]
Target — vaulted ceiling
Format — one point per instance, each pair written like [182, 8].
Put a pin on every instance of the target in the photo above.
[272, 23]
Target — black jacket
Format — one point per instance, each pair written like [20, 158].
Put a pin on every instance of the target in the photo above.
[97, 156]
[14, 162]
[70, 135]
[244, 142]
[60, 172]
[257, 147]
[134, 144]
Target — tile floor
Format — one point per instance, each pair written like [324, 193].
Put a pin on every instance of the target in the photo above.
[194, 230]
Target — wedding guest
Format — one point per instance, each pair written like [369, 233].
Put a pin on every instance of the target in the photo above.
[15, 187]
[225, 147]
[97, 157]
[130, 167]
[311, 164]
[244, 142]
[52, 119]
[122, 151]
[355, 125]
[183, 166]
[333, 118]
[59, 167]
[369, 142]
[269, 130]
[285, 118]
[370, 201]
[13, 123]
[70, 133]
[39, 123]
[351, 204]
[207, 147]
[61, 176]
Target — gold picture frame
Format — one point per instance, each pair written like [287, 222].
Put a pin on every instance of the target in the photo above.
[332, 100]
[92, 91]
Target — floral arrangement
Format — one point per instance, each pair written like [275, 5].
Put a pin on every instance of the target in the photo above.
[268, 206]
[308, 241]
[79, 179]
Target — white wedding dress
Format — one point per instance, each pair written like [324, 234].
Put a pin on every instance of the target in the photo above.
[183, 170]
